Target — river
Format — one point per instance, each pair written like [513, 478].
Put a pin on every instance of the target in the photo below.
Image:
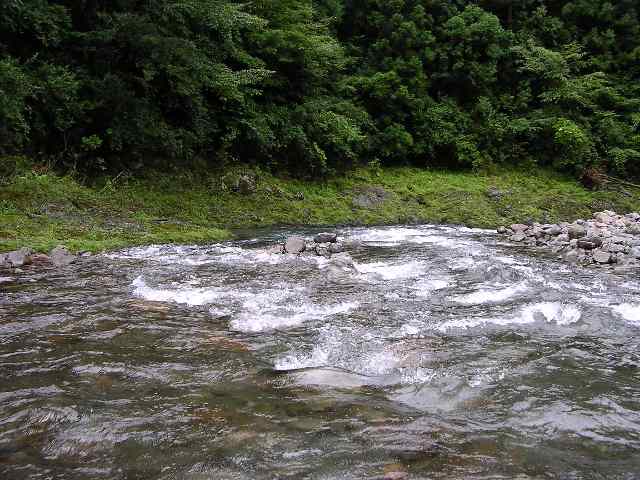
[447, 354]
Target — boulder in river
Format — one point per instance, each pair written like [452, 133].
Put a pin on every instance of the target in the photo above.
[18, 258]
[61, 257]
[322, 249]
[602, 257]
[519, 227]
[325, 237]
[553, 230]
[336, 248]
[295, 245]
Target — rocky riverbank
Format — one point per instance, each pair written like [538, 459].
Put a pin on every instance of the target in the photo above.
[606, 239]
[17, 259]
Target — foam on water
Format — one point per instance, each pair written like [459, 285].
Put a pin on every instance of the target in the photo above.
[549, 312]
[491, 295]
[260, 314]
[178, 294]
[391, 271]
[628, 311]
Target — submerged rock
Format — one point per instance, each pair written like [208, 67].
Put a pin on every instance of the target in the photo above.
[322, 249]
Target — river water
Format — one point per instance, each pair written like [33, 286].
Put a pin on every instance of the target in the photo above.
[447, 354]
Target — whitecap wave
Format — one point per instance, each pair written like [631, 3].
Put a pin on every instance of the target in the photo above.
[489, 295]
[628, 311]
[259, 315]
[178, 294]
[392, 272]
[549, 312]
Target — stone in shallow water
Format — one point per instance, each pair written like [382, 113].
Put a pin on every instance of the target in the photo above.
[602, 257]
[295, 245]
[336, 247]
[325, 237]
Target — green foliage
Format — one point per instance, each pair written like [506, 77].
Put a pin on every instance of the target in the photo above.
[313, 87]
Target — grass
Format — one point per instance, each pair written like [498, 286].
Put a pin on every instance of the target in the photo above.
[45, 210]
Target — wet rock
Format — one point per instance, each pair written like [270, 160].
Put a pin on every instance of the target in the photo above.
[553, 230]
[603, 217]
[586, 245]
[40, 259]
[614, 248]
[563, 237]
[18, 258]
[61, 257]
[502, 230]
[576, 231]
[518, 237]
[633, 229]
[336, 248]
[325, 237]
[519, 227]
[295, 245]
[602, 257]
[536, 232]
[322, 249]
[395, 472]
[398, 475]
[342, 262]
[571, 256]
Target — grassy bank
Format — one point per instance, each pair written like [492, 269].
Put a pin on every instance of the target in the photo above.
[44, 210]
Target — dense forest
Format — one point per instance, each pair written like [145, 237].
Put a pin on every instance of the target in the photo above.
[315, 87]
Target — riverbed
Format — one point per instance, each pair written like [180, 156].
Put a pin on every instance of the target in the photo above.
[447, 353]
